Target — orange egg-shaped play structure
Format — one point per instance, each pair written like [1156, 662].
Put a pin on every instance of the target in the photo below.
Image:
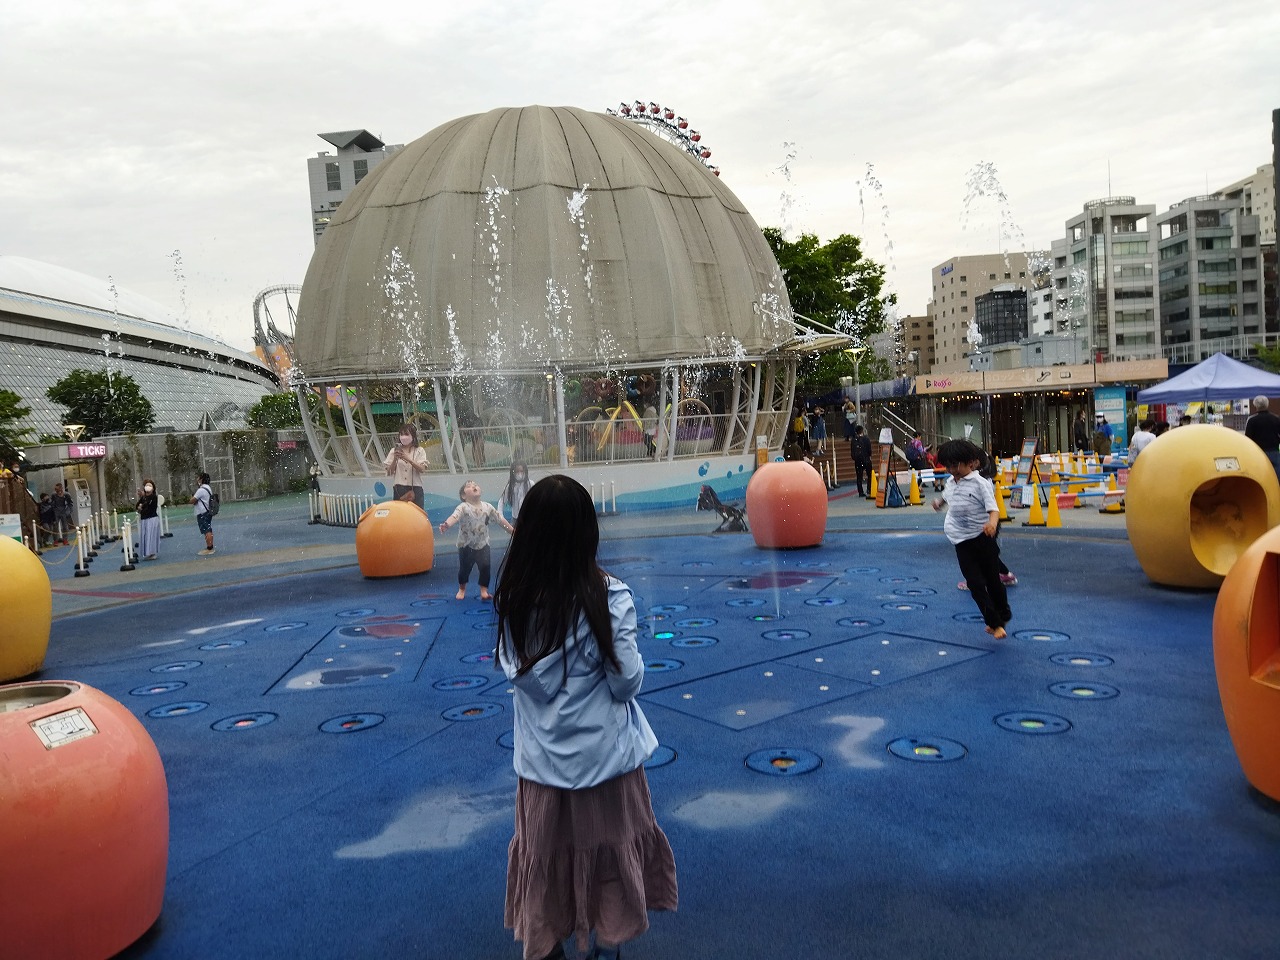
[1196, 498]
[1246, 655]
[394, 539]
[84, 829]
[787, 505]
[27, 601]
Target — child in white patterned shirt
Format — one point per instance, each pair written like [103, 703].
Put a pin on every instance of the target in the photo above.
[473, 516]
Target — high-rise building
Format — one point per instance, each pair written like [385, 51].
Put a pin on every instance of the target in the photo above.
[1257, 196]
[1104, 280]
[957, 283]
[1209, 277]
[334, 176]
[1002, 315]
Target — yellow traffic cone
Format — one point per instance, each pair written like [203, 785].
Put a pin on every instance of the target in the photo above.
[873, 489]
[914, 497]
[1036, 519]
[1054, 520]
[1004, 510]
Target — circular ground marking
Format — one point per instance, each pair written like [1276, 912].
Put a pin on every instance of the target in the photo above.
[745, 602]
[181, 709]
[813, 563]
[661, 757]
[757, 563]
[1041, 636]
[783, 762]
[283, 627]
[669, 608]
[786, 634]
[697, 622]
[696, 563]
[434, 602]
[176, 667]
[899, 579]
[1082, 660]
[766, 617]
[665, 634]
[222, 645]
[824, 601]
[686, 643]
[484, 625]
[472, 711]
[1084, 691]
[1034, 723]
[466, 682]
[927, 749]
[243, 721]
[484, 657]
[662, 666]
[860, 621]
[154, 689]
[914, 592]
[479, 611]
[968, 617]
[905, 605]
[351, 722]
[508, 740]
[861, 569]
[357, 612]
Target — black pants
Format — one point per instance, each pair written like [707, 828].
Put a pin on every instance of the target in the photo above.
[399, 490]
[862, 470]
[980, 564]
[469, 557]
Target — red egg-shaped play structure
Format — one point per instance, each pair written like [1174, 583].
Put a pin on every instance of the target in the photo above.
[394, 539]
[84, 828]
[787, 505]
[1246, 655]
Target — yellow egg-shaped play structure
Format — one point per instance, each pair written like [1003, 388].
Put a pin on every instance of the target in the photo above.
[27, 601]
[1195, 500]
[394, 539]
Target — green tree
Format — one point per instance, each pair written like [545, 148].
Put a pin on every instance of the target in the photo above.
[104, 402]
[275, 411]
[1270, 357]
[12, 436]
[836, 285]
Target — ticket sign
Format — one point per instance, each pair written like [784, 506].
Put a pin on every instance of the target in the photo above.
[86, 451]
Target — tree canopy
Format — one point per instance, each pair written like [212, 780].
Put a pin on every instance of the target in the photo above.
[12, 436]
[836, 285]
[104, 402]
[275, 411]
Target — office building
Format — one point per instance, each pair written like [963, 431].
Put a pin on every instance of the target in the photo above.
[957, 283]
[334, 175]
[1001, 315]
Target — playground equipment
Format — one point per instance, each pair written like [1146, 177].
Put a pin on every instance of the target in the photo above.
[394, 539]
[84, 839]
[787, 505]
[1246, 656]
[27, 601]
[1195, 500]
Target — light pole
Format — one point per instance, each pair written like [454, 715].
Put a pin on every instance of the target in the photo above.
[855, 354]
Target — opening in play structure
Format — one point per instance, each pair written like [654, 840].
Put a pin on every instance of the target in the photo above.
[1226, 515]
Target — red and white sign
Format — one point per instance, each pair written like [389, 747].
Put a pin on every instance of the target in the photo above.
[86, 451]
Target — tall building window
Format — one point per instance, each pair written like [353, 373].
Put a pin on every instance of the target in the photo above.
[361, 169]
[333, 175]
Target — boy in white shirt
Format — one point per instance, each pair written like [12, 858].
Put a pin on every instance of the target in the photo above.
[973, 517]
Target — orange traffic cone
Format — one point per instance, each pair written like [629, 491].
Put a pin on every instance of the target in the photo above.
[1036, 519]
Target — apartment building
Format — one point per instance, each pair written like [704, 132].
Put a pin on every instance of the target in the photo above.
[1257, 196]
[333, 176]
[957, 283]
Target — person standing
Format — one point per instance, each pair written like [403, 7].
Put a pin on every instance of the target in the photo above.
[48, 529]
[1080, 432]
[204, 513]
[516, 490]
[818, 429]
[850, 411]
[148, 521]
[63, 513]
[1102, 434]
[860, 451]
[588, 855]
[473, 516]
[1141, 437]
[1263, 428]
[406, 463]
[972, 522]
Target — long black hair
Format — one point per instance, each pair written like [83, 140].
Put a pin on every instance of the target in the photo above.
[549, 579]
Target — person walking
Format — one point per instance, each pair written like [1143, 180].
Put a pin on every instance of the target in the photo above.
[588, 855]
[1263, 428]
[860, 451]
[202, 501]
[148, 507]
[972, 522]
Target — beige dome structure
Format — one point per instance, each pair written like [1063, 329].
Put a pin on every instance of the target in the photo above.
[527, 283]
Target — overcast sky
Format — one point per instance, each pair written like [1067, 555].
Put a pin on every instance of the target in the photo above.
[164, 144]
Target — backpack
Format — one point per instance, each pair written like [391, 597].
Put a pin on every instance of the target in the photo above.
[215, 503]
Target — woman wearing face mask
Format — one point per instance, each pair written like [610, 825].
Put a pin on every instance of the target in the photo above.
[148, 521]
[407, 462]
[517, 486]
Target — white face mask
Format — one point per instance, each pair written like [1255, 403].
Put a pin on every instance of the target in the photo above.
[148, 488]
[405, 439]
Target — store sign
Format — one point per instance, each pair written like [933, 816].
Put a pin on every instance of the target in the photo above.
[86, 451]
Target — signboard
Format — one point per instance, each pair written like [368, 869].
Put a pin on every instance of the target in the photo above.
[11, 526]
[1110, 402]
[86, 451]
[63, 728]
[882, 489]
[1026, 462]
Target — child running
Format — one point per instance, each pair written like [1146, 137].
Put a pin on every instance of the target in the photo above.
[973, 519]
[473, 516]
[587, 855]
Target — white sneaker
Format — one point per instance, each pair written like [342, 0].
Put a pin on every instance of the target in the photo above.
[205, 553]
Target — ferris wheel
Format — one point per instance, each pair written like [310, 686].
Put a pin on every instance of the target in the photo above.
[664, 122]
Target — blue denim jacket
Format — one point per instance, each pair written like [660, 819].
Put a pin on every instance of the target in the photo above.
[581, 731]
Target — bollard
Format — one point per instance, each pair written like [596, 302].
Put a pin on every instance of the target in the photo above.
[81, 569]
[35, 537]
[126, 532]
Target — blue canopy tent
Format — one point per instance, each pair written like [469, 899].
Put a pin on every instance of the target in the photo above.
[1218, 378]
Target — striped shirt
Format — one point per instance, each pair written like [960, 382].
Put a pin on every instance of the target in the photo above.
[970, 500]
